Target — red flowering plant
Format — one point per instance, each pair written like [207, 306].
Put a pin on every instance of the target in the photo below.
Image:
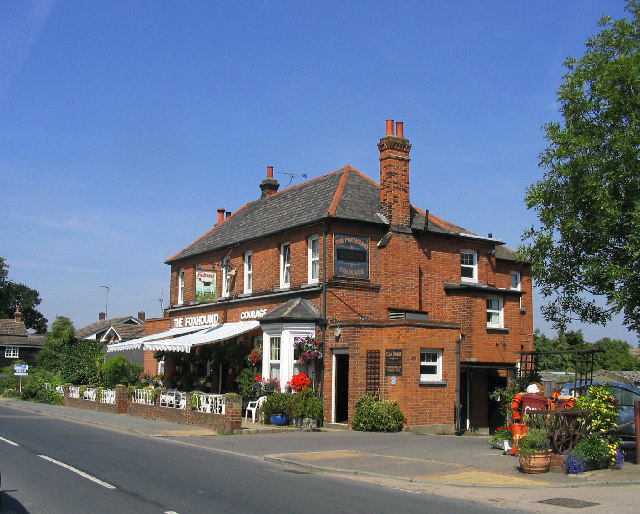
[255, 356]
[307, 348]
[299, 382]
[501, 434]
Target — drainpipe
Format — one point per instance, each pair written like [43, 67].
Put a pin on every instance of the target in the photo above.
[323, 326]
[458, 420]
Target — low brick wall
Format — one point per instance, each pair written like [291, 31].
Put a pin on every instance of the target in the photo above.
[120, 407]
[229, 422]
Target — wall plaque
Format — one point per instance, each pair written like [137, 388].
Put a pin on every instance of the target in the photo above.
[393, 362]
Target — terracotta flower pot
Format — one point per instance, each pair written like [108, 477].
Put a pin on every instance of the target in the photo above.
[538, 462]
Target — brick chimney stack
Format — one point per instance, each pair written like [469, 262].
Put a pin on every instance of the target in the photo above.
[102, 316]
[141, 315]
[17, 316]
[394, 176]
[269, 185]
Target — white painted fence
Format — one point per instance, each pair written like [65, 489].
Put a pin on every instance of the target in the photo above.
[211, 403]
[108, 396]
[74, 391]
[143, 396]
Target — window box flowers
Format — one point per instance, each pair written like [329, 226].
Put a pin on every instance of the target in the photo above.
[299, 382]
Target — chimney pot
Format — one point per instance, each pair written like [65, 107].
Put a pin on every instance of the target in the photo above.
[220, 214]
[17, 315]
[269, 171]
[400, 129]
[389, 128]
[227, 214]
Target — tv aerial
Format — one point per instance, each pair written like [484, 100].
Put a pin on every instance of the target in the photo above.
[292, 176]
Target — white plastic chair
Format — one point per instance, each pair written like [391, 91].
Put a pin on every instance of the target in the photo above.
[254, 407]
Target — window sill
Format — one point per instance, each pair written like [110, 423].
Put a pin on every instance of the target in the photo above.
[500, 330]
[432, 383]
[310, 284]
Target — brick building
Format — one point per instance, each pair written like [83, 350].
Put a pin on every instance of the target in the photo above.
[410, 306]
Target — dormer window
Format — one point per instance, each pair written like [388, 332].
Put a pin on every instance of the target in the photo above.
[468, 266]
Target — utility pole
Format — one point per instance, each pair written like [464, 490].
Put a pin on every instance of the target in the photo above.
[106, 302]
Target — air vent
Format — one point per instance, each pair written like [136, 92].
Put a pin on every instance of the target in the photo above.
[409, 315]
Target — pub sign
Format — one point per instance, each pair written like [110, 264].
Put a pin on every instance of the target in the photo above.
[351, 256]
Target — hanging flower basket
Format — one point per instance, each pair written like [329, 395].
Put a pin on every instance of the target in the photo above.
[307, 349]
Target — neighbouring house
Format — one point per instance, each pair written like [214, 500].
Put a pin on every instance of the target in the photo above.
[405, 304]
[116, 330]
[17, 343]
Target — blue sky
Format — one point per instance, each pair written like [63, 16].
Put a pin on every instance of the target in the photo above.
[124, 125]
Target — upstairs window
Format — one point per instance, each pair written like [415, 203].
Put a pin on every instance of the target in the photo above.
[226, 276]
[494, 313]
[430, 365]
[516, 281]
[248, 272]
[11, 352]
[313, 252]
[468, 266]
[181, 286]
[285, 265]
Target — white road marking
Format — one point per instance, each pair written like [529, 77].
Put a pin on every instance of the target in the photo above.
[77, 471]
[8, 441]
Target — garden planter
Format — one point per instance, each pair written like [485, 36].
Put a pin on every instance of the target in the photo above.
[538, 462]
[279, 420]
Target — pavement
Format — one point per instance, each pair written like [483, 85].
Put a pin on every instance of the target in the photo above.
[440, 464]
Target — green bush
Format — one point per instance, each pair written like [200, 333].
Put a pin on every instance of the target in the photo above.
[602, 404]
[373, 415]
[306, 404]
[246, 385]
[278, 403]
[596, 452]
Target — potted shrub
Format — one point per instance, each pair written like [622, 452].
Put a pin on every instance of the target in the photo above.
[307, 409]
[278, 408]
[534, 451]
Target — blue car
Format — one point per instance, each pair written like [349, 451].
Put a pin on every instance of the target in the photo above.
[624, 394]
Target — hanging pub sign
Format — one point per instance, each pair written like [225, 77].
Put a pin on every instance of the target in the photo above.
[393, 363]
[351, 256]
[206, 286]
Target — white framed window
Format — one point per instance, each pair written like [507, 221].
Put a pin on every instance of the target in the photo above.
[495, 312]
[313, 259]
[274, 357]
[11, 352]
[516, 280]
[248, 271]
[226, 276]
[468, 266]
[285, 265]
[181, 286]
[161, 366]
[430, 365]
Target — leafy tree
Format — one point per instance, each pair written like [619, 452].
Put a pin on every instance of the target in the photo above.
[615, 356]
[14, 295]
[586, 252]
[60, 336]
[81, 362]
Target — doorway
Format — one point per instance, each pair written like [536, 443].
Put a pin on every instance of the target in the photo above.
[340, 386]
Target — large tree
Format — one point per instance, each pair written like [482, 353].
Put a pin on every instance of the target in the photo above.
[586, 252]
[13, 294]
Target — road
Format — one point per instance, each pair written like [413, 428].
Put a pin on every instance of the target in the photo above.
[55, 465]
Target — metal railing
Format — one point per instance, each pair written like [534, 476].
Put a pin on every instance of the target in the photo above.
[108, 396]
[74, 391]
[210, 403]
[173, 399]
[143, 396]
[90, 394]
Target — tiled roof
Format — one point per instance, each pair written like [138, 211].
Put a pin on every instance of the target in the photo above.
[128, 331]
[344, 194]
[100, 326]
[295, 309]
[27, 340]
[11, 327]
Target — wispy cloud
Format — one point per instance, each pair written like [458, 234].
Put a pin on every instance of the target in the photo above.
[72, 224]
[45, 265]
[20, 25]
